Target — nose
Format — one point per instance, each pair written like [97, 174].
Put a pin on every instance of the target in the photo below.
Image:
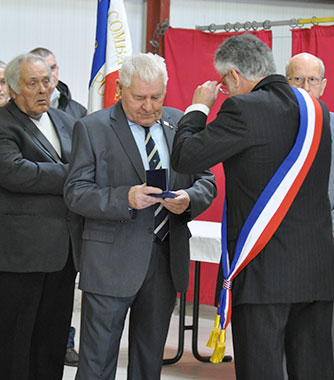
[42, 87]
[147, 104]
[306, 86]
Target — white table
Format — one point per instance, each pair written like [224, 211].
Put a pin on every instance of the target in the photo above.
[205, 243]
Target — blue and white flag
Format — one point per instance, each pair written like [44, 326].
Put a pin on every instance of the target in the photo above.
[112, 44]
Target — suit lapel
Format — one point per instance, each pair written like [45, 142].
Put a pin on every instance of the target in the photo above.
[64, 137]
[36, 135]
[169, 130]
[120, 125]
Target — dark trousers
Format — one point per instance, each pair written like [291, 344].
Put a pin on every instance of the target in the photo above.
[102, 323]
[35, 316]
[262, 334]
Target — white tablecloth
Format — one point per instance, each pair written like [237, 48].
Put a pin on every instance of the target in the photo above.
[205, 243]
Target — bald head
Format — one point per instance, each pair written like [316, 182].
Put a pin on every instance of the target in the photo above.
[307, 71]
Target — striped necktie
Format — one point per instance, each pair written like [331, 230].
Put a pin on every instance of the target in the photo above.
[160, 214]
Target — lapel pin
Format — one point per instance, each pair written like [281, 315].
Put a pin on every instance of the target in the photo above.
[168, 125]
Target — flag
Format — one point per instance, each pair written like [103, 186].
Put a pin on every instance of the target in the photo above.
[112, 45]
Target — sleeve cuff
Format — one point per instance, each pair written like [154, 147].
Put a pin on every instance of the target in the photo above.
[198, 107]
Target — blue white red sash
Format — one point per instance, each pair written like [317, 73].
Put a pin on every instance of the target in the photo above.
[270, 209]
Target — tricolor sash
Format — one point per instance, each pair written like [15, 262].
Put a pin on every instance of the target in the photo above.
[268, 211]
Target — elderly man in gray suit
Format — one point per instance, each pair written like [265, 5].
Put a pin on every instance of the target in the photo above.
[39, 236]
[135, 242]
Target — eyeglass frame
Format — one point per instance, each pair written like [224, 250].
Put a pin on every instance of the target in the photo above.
[295, 79]
[223, 91]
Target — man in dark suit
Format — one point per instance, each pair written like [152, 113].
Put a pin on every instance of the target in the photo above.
[127, 262]
[39, 236]
[283, 299]
[61, 97]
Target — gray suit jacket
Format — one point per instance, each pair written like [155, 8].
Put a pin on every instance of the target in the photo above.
[36, 226]
[117, 242]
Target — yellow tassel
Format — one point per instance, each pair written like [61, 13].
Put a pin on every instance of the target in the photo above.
[214, 333]
[219, 353]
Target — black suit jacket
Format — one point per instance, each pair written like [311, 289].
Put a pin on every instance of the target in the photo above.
[36, 226]
[117, 242]
[251, 136]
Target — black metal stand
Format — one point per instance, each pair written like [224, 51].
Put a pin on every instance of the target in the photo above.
[194, 326]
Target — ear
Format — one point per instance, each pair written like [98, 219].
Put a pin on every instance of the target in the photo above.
[235, 76]
[118, 87]
[12, 93]
[323, 86]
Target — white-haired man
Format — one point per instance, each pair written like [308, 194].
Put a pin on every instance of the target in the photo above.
[135, 245]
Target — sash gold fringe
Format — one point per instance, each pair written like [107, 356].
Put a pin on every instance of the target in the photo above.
[214, 333]
[219, 352]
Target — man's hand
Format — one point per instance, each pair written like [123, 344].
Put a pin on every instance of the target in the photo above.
[206, 93]
[139, 196]
[177, 205]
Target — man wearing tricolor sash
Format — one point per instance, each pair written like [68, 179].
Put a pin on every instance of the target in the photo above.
[277, 246]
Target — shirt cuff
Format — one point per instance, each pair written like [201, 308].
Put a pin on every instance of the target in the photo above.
[198, 107]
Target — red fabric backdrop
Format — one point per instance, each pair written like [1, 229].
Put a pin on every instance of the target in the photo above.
[189, 58]
[319, 41]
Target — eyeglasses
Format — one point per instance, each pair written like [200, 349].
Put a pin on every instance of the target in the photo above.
[223, 89]
[312, 81]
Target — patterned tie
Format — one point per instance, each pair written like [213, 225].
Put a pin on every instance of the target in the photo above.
[160, 213]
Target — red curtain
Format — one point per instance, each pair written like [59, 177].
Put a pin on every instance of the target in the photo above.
[189, 58]
[319, 41]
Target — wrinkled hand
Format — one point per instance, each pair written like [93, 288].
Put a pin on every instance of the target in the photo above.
[177, 205]
[139, 197]
[206, 93]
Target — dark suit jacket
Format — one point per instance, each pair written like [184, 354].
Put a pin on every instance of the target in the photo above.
[251, 136]
[117, 242]
[36, 226]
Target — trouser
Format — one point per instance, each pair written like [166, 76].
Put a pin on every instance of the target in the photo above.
[262, 334]
[102, 323]
[34, 322]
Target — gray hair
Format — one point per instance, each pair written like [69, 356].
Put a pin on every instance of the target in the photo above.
[13, 72]
[149, 67]
[43, 52]
[321, 64]
[2, 64]
[246, 54]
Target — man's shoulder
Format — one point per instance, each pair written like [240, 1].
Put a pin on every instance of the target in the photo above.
[96, 118]
[173, 113]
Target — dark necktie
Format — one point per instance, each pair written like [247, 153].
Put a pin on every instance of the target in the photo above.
[160, 213]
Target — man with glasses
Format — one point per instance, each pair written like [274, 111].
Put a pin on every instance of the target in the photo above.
[3, 89]
[282, 298]
[307, 71]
